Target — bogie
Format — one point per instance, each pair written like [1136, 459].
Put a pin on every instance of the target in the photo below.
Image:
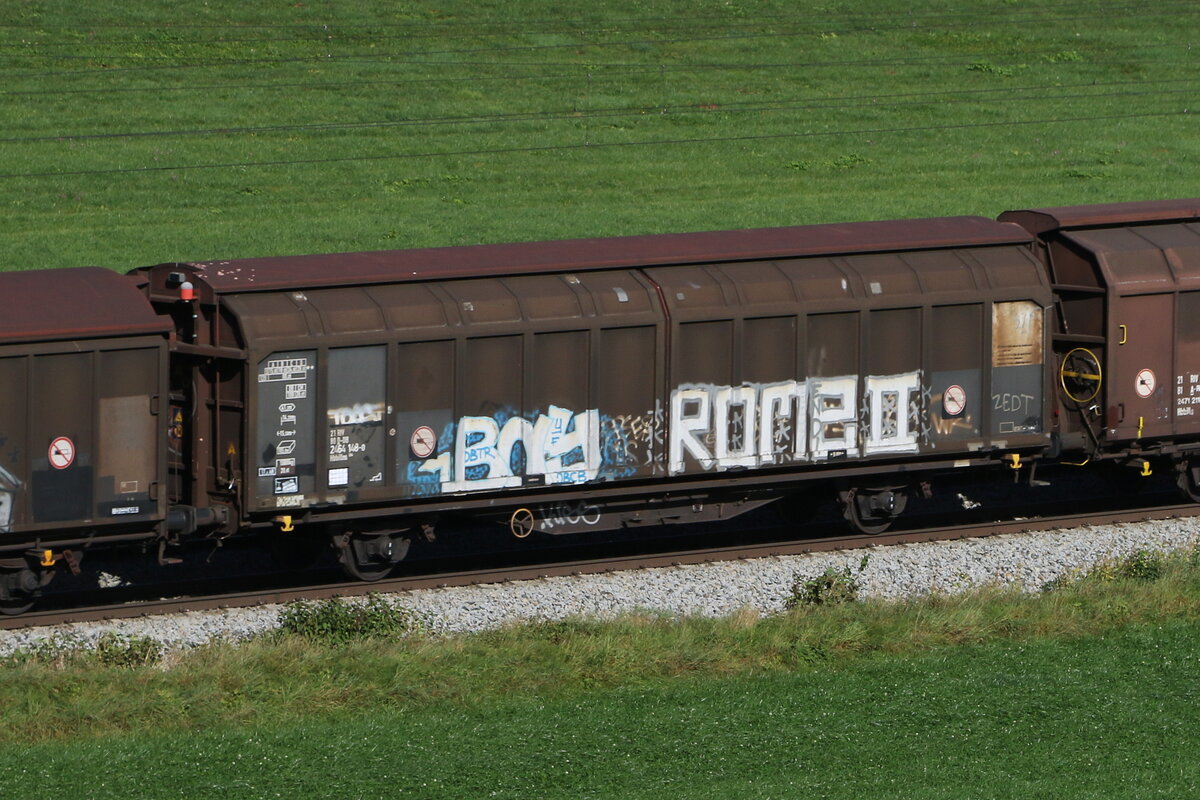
[371, 557]
[873, 511]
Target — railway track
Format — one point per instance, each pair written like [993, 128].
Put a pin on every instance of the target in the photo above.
[468, 577]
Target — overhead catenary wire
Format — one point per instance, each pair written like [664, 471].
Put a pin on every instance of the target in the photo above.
[1186, 11]
[592, 71]
[590, 146]
[636, 23]
[850, 103]
[632, 43]
[327, 35]
[589, 68]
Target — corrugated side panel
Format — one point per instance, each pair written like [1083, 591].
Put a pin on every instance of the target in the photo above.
[78, 439]
[14, 450]
[551, 382]
[62, 437]
[537, 381]
[1018, 371]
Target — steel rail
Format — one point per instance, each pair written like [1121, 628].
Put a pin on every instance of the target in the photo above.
[183, 604]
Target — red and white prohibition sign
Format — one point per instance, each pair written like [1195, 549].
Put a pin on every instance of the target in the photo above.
[423, 442]
[61, 453]
[1144, 383]
[954, 400]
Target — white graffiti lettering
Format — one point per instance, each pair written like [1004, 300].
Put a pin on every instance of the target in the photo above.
[735, 444]
[9, 486]
[1014, 403]
[715, 427]
[748, 426]
[690, 415]
[555, 441]
[635, 440]
[777, 414]
[833, 417]
[358, 414]
[561, 446]
[892, 411]
[561, 514]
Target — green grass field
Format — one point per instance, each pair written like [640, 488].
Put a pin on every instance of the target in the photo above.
[1090, 691]
[143, 132]
[1110, 717]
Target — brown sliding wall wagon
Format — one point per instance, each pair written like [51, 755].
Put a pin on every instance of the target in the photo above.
[370, 399]
[83, 374]
[587, 385]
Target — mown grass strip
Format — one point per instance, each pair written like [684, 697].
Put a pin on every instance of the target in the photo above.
[333, 661]
[1103, 715]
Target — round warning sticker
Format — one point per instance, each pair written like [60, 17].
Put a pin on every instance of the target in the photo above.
[423, 441]
[1144, 383]
[61, 453]
[954, 400]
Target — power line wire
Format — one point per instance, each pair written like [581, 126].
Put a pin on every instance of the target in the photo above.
[526, 23]
[593, 72]
[499, 49]
[587, 146]
[591, 68]
[326, 31]
[850, 103]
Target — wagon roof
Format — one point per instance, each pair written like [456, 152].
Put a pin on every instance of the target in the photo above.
[347, 269]
[88, 302]
[1041, 220]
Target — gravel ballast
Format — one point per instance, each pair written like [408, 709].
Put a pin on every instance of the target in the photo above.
[1027, 561]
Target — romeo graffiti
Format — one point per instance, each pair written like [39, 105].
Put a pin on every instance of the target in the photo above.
[723, 427]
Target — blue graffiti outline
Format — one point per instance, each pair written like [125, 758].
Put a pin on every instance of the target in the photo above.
[617, 457]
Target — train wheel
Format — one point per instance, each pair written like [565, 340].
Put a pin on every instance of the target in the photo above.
[1188, 478]
[873, 510]
[370, 557]
[12, 608]
[19, 589]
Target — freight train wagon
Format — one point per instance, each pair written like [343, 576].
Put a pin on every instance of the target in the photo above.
[369, 399]
[562, 387]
